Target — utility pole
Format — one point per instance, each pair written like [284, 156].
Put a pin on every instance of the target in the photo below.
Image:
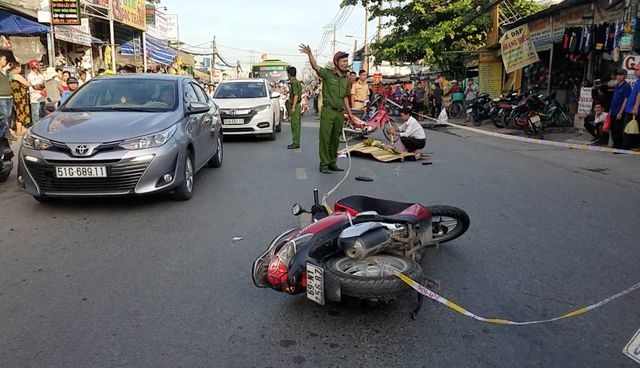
[214, 50]
[334, 39]
[366, 39]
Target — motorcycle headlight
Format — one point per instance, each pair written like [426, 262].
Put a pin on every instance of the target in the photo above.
[32, 141]
[149, 141]
[261, 108]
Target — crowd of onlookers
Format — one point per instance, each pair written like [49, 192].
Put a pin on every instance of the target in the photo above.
[27, 90]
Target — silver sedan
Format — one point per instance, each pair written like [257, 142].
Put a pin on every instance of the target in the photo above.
[123, 135]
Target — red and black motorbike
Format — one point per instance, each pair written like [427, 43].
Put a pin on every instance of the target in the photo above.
[341, 253]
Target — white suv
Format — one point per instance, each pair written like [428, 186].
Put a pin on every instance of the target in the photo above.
[247, 106]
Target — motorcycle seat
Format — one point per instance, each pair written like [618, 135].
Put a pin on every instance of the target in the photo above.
[385, 209]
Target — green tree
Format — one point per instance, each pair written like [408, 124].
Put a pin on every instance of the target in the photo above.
[441, 33]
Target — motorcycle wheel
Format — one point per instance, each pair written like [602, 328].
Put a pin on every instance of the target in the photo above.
[475, 117]
[455, 110]
[387, 134]
[448, 222]
[364, 279]
[348, 136]
[498, 122]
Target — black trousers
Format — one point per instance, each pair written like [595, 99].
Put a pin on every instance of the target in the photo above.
[617, 130]
[412, 144]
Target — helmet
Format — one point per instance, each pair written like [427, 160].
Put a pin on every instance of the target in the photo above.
[339, 55]
[33, 63]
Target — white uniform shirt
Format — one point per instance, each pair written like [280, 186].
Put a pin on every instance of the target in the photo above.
[411, 128]
[35, 79]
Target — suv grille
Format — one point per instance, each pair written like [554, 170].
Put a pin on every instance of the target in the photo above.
[121, 177]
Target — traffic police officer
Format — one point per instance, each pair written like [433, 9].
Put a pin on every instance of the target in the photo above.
[335, 102]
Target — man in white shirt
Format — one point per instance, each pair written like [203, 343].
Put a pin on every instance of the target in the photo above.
[411, 132]
[595, 127]
[36, 79]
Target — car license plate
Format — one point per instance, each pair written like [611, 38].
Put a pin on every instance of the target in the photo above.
[233, 121]
[81, 172]
[315, 283]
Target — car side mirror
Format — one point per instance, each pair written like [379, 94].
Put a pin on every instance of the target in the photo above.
[275, 95]
[197, 107]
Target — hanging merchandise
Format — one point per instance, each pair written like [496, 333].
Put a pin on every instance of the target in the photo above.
[27, 48]
[5, 44]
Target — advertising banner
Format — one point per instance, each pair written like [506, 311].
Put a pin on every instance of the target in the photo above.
[130, 12]
[518, 49]
[172, 27]
[490, 75]
[65, 12]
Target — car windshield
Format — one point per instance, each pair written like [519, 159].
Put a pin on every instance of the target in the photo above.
[241, 90]
[120, 94]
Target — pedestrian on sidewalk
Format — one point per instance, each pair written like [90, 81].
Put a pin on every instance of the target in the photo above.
[20, 91]
[295, 93]
[594, 126]
[335, 99]
[618, 103]
[36, 80]
[6, 96]
[630, 141]
[437, 100]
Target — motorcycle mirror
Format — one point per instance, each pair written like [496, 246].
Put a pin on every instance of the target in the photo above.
[297, 210]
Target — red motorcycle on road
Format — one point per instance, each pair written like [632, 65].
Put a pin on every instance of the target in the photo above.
[341, 253]
[375, 117]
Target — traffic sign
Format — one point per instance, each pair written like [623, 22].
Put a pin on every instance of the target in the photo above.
[632, 350]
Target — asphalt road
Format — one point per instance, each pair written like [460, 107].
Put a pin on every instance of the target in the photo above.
[154, 283]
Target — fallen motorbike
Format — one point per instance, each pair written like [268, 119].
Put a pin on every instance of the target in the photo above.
[375, 117]
[341, 253]
[6, 153]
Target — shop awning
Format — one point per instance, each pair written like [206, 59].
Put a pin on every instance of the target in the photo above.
[11, 24]
[157, 50]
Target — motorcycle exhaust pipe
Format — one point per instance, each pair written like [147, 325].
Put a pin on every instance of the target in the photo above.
[362, 240]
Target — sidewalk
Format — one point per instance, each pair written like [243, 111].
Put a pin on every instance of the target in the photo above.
[556, 134]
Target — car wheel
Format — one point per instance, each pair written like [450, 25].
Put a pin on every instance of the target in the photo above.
[185, 190]
[279, 127]
[272, 136]
[216, 160]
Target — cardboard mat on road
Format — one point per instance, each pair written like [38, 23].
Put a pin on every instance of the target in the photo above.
[380, 152]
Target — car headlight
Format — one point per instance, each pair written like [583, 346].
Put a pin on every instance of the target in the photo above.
[149, 141]
[32, 141]
[261, 108]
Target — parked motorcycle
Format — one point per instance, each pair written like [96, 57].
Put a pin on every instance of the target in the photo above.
[6, 153]
[342, 252]
[375, 117]
[479, 108]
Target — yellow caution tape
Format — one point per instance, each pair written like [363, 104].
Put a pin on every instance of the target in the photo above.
[585, 147]
[432, 295]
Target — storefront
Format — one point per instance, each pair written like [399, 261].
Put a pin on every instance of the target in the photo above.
[578, 42]
[22, 36]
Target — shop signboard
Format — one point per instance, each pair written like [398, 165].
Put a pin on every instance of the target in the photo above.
[80, 35]
[585, 102]
[172, 27]
[130, 12]
[65, 12]
[150, 14]
[490, 74]
[101, 3]
[159, 29]
[518, 49]
[629, 63]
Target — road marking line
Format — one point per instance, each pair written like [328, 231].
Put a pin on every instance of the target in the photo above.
[301, 173]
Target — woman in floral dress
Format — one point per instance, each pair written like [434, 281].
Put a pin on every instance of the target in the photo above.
[21, 106]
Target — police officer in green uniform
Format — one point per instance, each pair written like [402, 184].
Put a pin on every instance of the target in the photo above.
[335, 102]
[295, 115]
